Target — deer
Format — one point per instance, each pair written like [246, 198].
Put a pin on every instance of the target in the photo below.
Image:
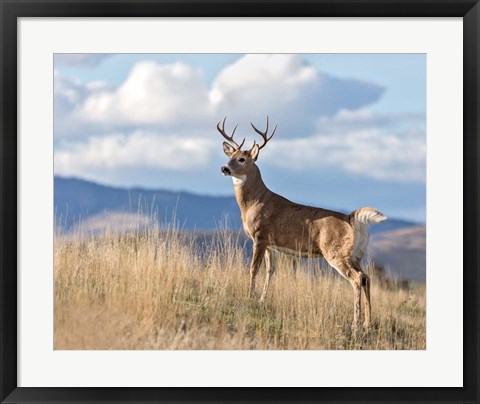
[274, 223]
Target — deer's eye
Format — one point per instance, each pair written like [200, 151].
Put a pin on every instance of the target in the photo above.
[241, 159]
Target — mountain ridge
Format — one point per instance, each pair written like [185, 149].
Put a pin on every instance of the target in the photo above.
[77, 199]
[86, 208]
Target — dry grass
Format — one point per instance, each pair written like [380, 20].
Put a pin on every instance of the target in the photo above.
[156, 290]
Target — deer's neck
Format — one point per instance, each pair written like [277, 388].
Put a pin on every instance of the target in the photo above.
[250, 190]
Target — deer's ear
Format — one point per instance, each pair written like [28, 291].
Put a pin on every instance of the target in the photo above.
[228, 149]
[254, 152]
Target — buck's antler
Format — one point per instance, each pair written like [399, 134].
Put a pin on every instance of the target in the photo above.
[229, 138]
[263, 134]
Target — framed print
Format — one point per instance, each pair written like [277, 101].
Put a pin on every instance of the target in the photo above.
[216, 201]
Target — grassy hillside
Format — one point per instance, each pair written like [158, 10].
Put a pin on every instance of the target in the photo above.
[158, 290]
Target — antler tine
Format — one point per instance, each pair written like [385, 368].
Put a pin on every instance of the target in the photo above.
[241, 144]
[229, 138]
[263, 134]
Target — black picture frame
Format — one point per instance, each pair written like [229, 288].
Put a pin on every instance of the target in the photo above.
[12, 10]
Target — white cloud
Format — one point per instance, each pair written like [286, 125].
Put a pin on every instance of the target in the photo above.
[67, 90]
[80, 59]
[176, 96]
[346, 119]
[157, 100]
[69, 93]
[389, 153]
[262, 80]
[294, 93]
[370, 153]
[152, 94]
[138, 149]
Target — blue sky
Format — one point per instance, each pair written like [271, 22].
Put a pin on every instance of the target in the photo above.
[351, 127]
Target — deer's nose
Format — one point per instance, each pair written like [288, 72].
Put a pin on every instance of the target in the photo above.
[225, 170]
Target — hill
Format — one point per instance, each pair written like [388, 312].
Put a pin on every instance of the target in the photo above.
[95, 206]
[83, 201]
[83, 207]
[402, 251]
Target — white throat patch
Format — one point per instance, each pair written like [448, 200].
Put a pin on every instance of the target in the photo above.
[239, 180]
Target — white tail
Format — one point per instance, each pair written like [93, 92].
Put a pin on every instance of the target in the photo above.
[360, 220]
[368, 216]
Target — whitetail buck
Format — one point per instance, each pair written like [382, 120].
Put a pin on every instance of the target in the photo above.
[275, 223]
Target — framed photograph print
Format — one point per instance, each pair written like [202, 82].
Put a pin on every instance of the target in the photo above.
[216, 201]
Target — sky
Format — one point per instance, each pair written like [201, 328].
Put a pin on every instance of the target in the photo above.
[351, 127]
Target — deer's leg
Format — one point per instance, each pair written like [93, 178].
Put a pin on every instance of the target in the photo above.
[366, 295]
[258, 254]
[270, 270]
[348, 271]
[357, 301]
[365, 284]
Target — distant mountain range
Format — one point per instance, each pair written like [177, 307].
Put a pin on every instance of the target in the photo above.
[83, 207]
[79, 203]
[402, 251]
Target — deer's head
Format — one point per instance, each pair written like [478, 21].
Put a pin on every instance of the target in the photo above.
[241, 162]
